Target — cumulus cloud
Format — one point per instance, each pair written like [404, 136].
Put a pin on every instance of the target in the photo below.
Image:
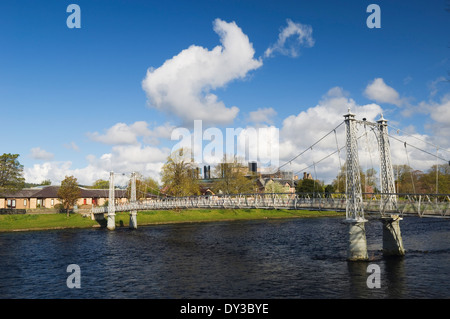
[380, 92]
[124, 134]
[440, 114]
[121, 133]
[299, 132]
[133, 148]
[182, 85]
[262, 115]
[123, 159]
[301, 34]
[40, 154]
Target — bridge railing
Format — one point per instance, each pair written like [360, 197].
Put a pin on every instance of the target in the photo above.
[404, 204]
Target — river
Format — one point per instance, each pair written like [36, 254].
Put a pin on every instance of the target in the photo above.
[284, 258]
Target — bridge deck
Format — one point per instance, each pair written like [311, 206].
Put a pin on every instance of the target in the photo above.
[434, 205]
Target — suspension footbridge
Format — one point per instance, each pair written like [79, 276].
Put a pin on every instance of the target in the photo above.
[387, 204]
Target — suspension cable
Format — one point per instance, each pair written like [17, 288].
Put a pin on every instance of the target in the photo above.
[411, 173]
[407, 134]
[443, 159]
[339, 157]
[310, 147]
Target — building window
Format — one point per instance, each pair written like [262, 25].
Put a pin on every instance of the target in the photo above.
[52, 202]
[24, 203]
[11, 203]
[84, 201]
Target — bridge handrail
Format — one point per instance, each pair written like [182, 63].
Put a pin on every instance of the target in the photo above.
[420, 204]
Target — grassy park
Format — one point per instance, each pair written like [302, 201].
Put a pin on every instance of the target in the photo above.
[61, 221]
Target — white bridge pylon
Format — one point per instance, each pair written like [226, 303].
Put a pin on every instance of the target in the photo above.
[357, 243]
[111, 224]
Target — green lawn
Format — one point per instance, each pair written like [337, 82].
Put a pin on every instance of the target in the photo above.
[53, 221]
[44, 221]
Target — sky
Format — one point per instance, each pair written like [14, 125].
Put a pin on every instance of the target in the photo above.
[113, 93]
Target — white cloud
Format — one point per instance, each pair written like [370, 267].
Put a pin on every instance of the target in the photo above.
[54, 171]
[40, 154]
[132, 150]
[123, 134]
[440, 114]
[433, 85]
[302, 37]
[123, 159]
[297, 134]
[380, 92]
[159, 132]
[182, 85]
[72, 146]
[301, 131]
[262, 115]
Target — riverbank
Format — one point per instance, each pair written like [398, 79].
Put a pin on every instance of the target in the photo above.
[27, 222]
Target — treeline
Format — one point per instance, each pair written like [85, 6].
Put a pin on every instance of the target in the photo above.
[407, 181]
[179, 177]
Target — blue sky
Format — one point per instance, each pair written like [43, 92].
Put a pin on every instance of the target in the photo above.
[62, 89]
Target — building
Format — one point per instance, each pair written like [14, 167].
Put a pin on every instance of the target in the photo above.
[47, 197]
[287, 184]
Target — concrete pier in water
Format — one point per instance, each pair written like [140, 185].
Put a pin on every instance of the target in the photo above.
[111, 224]
[357, 243]
[133, 220]
[392, 238]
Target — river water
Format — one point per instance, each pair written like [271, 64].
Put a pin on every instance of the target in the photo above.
[285, 258]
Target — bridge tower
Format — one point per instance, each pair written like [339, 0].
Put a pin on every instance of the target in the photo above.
[133, 213]
[357, 243]
[392, 239]
[111, 204]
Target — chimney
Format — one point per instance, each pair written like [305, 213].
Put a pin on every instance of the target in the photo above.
[252, 167]
[206, 172]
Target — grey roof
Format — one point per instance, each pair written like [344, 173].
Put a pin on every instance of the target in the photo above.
[23, 193]
[52, 192]
[47, 192]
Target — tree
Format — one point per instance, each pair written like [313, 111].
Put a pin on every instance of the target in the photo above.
[231, 177]
[368, 179]
[69, 192]
[46, 182]
[274, 187]
[309, 186]
[11, 171]
[427, 182]
[144, 187]
[100, 184]
[177, 174]
[339, 182]
[406, 179]
[329, 189]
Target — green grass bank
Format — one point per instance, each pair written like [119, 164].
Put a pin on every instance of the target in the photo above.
[60, 221]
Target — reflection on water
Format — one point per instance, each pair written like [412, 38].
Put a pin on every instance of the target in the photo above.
[295, 258]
